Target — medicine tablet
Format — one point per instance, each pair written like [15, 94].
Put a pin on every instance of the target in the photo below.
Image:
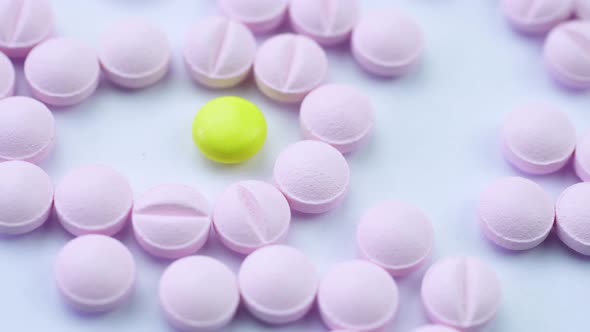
[573, 217]
[258, 15]
[387, 43]
[219, 52]
[26, 197]
[134, 53]
[327, 22]
[537, 16]
[461, 292]
[434, 328]
[566, 55]
[93, 200]
[24, 24]
[62, 71]
[198, 294]
[288, 67]
[251, 214]
[278, 284]
[6, 77]
[171, 221]
[538, 139]
[313, 176]
[397, 236]
[357, 295]
[95, 273]
[582, 158]
[338, 115]
[27, 130]
[582, 9]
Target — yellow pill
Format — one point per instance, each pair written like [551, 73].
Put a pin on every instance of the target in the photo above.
[229, 130]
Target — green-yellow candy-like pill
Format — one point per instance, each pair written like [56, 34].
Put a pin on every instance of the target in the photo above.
[229, 130]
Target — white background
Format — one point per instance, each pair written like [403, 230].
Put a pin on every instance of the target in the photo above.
[435, 145]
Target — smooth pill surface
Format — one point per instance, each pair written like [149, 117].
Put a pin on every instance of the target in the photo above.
[95, 273]
[582, 9]
[582, 158]
[258, 15]
[26, 197]
[566, 56]
[537, 16]
[198, 294]
[303, 67]
[24, 24]
[219, 52]
[134, 53]
[251, 214]
[395, 235]
[357, 295]
[7, 77]
[313, 176]
[171, 221]
[434, 328]
[278, 284]
[62, 71]
[27, 130]
[93, 200]
[461, 292]
[573, 217]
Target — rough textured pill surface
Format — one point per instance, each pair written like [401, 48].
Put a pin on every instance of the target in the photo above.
[313, 176]
[93, 200]
[567, 56]
[27, 130]
[199, 294]
[258, 15]
[6, 77]
[582, 158]
[171, 221]
[582, 9]
[538, 139]
[62, 71]
[24, 24]
[302, 68]
[278, 284]
[26, 197]
[537, 16]
[573, 217]
[219, 52]
[338, 115]
[461, 292]
[434, 328]
[95, 273]
[357, 295]
[251, 214]
[395, 235]
[134, 53]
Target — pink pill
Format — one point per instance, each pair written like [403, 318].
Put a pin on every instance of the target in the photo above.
[24, 24]
[357, 295]
[538, 139]
[171, 221]
[258, 15]
[6, 77]
[278, 284]
[26, 197]
[327, 22]
[134, 53]
[62, 71]
[434, 328]
[582, 9]
[95, 273]
[387, 43]
[313, 176]
[461, 292]
[537, 16]
[288, 67]
[582, 158]
[219, 52]
[396, 236]
[27, 130]
[198, 294]
[567, 56]
[573, 217]
[93, 200]
[250, 215]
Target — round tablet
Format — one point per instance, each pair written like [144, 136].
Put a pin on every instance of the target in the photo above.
[62, 71]
[198, 294]
[251, 214]
[434, 328]
[338, 115]
[278, 284]
[387, 43]
[395, 235]
[134, 53]
[288, 67]
[27, 130]
[171, 221]
[357, 295]
[582, 9]
[461, 292]
[313, 176]
[537, 16]
[582, 158]
[219, 52]
[327, 22]
[93, 200]
[24, 24]
[538, 139]
[573, 217]
[566, 56]
[258, 15]
[26, 197]
[95, 273]
[6, 77]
